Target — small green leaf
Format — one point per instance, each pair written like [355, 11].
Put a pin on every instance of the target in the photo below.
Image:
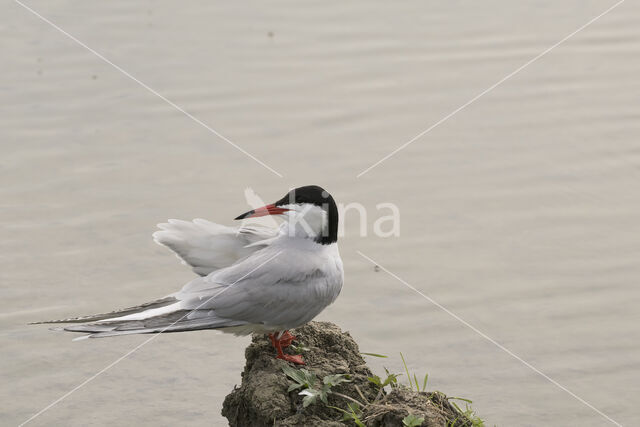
[289, 371]
[298, 375]
[333, 380]
[293, 387]
[375, 380]
[301, 376]
[391, 379]
[308, 400]
[310, 396]
[299, 349]
[412, 421]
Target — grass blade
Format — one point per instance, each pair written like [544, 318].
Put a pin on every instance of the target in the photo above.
[374, 354]
[407, 371]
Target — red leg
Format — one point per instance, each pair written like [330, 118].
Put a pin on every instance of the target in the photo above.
[297, 359]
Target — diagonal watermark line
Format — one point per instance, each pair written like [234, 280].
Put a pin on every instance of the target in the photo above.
[491, 340]
[150, 89]
[487, 90]
[136, 348]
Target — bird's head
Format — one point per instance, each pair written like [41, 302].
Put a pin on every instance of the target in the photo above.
[310, 211]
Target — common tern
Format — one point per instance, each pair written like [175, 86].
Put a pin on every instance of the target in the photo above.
[252, 279]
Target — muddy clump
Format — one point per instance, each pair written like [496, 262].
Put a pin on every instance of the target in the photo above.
[264, 399]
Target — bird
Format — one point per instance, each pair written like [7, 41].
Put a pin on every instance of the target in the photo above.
[250, 278]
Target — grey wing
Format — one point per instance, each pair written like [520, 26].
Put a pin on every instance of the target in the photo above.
[168, 300]
[175, 321]
[168, 314]
[281, 305]
[285, 294]
[265, 291]
[207, 246]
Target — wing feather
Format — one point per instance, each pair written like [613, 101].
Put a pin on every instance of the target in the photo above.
[288, 290]
[168, 300]
[271, 289]
[176, 321]
[207, 246]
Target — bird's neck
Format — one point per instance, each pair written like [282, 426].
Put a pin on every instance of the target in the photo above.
[321, 228]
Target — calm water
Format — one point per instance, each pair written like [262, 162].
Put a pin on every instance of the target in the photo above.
[520, 214]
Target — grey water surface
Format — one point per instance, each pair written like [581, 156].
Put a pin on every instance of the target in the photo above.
[520, 214]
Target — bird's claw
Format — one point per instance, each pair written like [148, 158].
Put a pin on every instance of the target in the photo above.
[286, 339]
[297, 359]
[283, 341]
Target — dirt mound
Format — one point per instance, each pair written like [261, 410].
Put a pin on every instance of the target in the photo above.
[266, 396]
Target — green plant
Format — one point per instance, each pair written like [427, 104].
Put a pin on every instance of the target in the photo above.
[352, 413]
[392, 380]
[312, 389]
[412, 421]
[468, 413]
[302, 377]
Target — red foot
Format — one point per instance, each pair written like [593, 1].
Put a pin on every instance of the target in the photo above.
[297, 359]
[286, 339]
[282, 342]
